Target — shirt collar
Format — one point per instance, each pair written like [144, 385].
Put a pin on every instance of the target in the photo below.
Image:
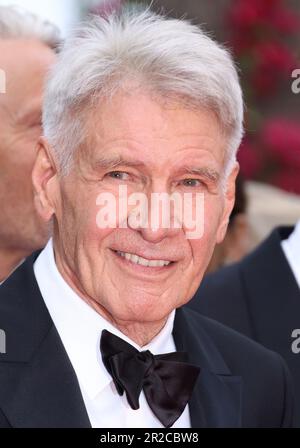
[291, 248]
[80, 326]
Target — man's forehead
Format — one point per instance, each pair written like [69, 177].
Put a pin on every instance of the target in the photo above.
[126, 113]
[152, 153]
[190, 162]
[137, 128]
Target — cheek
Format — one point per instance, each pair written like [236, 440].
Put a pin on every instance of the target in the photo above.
[93, 231]
[213, 211]
[202, 216]
[202, 248]
[81, 216]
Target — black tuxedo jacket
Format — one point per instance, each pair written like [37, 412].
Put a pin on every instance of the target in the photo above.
[260, 298]
[240, 383]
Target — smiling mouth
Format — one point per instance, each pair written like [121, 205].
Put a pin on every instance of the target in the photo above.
[136, 259]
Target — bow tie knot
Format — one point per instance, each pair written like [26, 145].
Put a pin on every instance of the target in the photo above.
[167, 380]
[147, 358]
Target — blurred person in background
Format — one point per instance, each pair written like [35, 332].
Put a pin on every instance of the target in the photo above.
[258, 209]
[27, 51]
[269, 207]
[260, 297]
[237, 239]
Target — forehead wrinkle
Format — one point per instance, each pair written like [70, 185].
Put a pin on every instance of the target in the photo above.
[106, 160]
[135, 146]
[127, 129]
[123, 150]
[115, 161]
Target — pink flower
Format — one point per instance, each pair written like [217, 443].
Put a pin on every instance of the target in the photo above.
[275, 56]
[274, 62]
[288, 180]
[264, 82]
[242, 43]
[246, 14]
[250, 160]
[281, 139]
[285, 21]
[253, 21]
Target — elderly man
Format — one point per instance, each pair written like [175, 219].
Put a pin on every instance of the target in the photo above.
[26, 53]
[96, 335]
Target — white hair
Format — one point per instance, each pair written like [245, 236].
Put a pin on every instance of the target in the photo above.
[171, 57]
[17, 23]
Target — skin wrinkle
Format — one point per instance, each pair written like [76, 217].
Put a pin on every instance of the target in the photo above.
[134, 301]
[115, 161]
[128, 89]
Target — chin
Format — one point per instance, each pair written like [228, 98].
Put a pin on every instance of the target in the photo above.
[145, 311]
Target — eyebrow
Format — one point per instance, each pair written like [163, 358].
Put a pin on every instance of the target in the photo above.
[114, 162]
[208, 173]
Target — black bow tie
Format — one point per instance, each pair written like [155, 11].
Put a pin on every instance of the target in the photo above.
[167, 380]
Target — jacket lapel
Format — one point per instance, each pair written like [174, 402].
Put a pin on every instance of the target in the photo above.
[216, 399]
[49, 390]
[273, 300]
[275, 303]
[41, 387]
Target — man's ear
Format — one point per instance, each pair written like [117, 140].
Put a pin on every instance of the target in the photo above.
[44, 178]
[229, 202]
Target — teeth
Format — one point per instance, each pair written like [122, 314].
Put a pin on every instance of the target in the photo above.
[134, 259]
[143, 261]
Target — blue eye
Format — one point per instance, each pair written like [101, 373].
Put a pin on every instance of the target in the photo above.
[192, 182]
[121, 175]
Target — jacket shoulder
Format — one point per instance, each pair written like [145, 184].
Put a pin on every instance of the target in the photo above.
[267, 383]
[24, 317]
[222, 296]
[238, 350]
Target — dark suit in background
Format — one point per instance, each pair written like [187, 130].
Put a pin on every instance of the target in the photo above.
[260, 298]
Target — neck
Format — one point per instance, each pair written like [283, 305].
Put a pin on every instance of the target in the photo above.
[9, 260]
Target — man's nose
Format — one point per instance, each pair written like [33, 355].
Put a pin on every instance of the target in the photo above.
[161, 219]
[157, 235]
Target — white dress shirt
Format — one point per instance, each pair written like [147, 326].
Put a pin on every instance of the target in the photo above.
[80, 327]
[291, 249]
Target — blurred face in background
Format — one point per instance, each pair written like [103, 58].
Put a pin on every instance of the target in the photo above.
[25, 63]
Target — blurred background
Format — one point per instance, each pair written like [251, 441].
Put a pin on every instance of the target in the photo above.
[264, 36]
